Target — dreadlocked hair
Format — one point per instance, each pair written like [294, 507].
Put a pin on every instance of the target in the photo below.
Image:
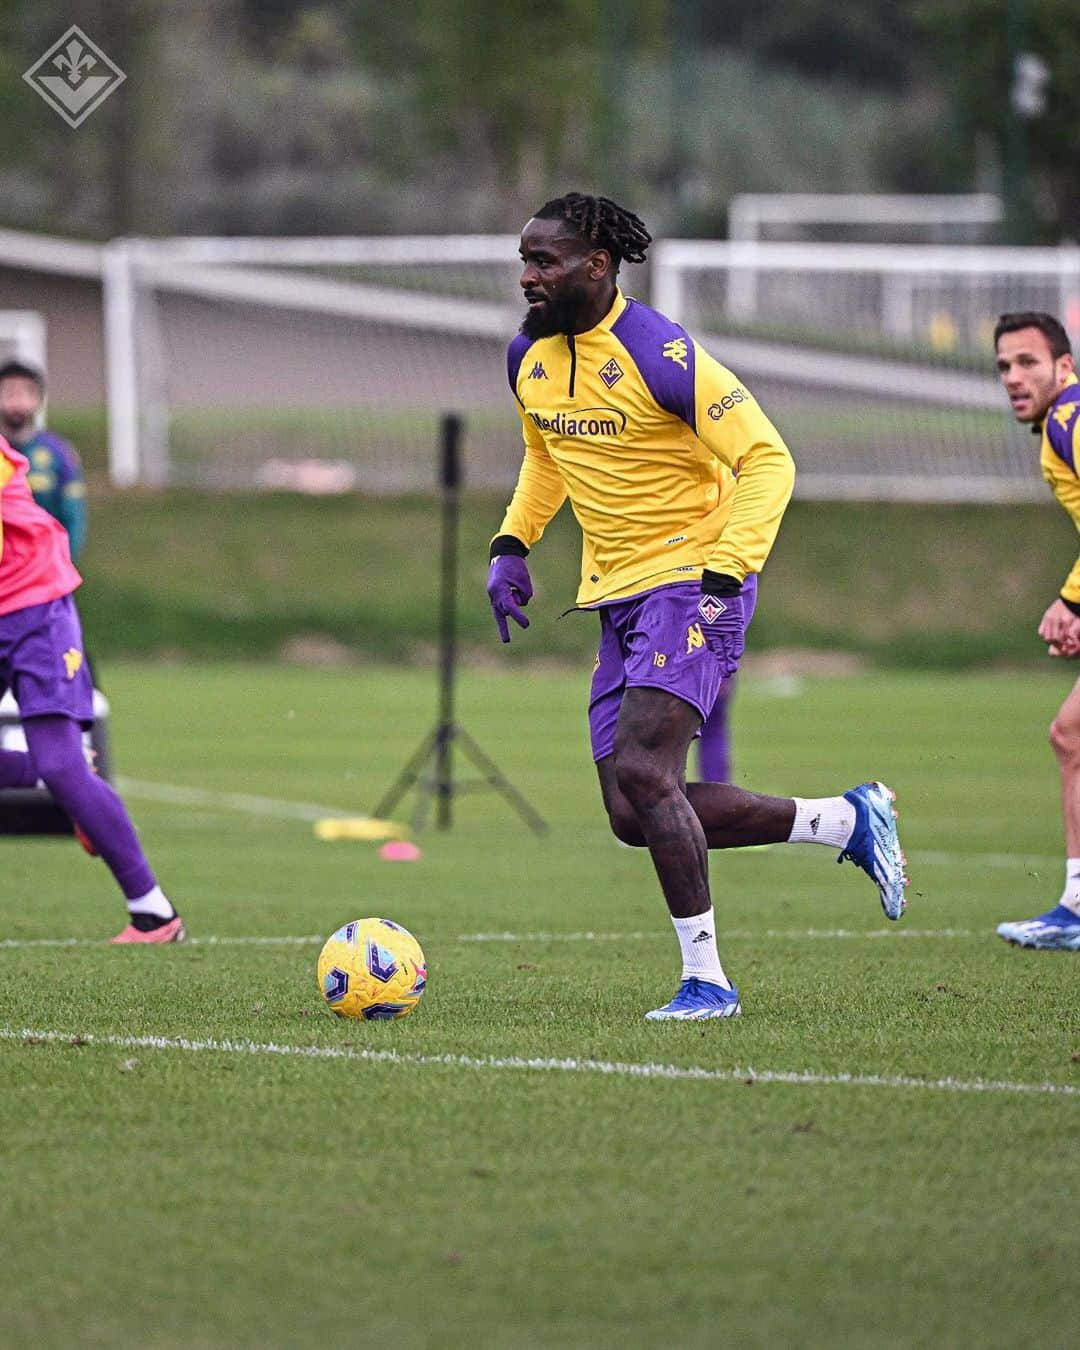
[602, 222]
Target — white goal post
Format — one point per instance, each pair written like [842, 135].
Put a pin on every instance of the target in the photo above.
[969, 214]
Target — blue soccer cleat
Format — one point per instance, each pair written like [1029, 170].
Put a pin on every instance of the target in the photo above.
[697, 1000]
[1057, 930]
[875, 846]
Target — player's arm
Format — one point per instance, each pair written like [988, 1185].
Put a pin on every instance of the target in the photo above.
[6, 470]
[1060, 624]
[539, 493]
[72, 510]
[732, 425]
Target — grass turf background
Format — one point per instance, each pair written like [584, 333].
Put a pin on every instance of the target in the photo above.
[172, 1199]
[216, 575]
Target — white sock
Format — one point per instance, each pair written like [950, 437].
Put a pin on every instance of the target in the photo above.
[1070, 896]
[697, 938]
[822, 820]
[154, 902]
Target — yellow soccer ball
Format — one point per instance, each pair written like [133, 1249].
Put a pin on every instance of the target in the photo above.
[372, 969]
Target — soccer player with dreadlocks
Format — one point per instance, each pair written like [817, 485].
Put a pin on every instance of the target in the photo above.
[679, 482]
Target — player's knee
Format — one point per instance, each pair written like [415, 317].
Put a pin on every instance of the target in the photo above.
[625, 825]
[59, 770]
[1065, 739]
[640, 778]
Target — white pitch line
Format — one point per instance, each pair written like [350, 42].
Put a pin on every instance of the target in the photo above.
[605, 1068]
[174, 794]
[941, 858]
[735, 935]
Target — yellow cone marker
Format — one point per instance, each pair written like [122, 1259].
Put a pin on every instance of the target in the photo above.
[367, 829]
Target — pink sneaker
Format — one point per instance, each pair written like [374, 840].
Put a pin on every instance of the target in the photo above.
[83, 838]
[173, 931]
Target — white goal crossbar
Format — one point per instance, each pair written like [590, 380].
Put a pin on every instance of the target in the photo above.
[859, 331]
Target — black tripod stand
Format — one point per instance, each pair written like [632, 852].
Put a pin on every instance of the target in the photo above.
[431, 768]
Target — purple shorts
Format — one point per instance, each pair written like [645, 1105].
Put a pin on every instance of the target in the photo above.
[42, 661]
[645, 643]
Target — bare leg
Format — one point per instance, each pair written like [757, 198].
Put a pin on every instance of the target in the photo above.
[648, 801]
[1065, 738]
[729, 817]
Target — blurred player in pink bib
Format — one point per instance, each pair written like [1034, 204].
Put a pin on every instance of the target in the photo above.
[42, 662]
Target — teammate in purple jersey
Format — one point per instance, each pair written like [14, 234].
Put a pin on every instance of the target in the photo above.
[1035, 363]
[679, 482]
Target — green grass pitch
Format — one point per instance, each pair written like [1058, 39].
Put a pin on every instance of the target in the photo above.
[422, 1187]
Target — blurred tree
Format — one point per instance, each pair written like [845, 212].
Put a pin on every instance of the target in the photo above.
[977, 42]
[876, 42]
[503, 88]
[330, 116]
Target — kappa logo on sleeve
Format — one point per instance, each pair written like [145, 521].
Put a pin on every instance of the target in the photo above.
[675, 350]
[1064, 414]
[538, 372]
[73, 659]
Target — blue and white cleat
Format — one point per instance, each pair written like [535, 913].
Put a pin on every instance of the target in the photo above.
[1056, 930]
[697, 1000]
[875, 846]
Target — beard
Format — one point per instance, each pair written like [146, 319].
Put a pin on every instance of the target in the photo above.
[557, 315]
[15, 421]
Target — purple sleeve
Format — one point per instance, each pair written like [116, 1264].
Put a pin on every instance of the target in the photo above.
[663, 352]
[515, 354]
[68, 464]
[1061, 424]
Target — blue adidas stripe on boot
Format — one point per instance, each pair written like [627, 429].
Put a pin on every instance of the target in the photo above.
[1056, 930]
[696, 1000]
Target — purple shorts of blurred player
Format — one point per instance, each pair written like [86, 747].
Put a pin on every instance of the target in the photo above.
[652, 641]
[42, 661]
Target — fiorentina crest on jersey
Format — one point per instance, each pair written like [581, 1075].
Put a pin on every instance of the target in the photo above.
[611, 373]
[710, 608]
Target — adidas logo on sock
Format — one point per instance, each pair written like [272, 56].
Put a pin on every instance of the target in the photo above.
[815, 823]
[703, 936]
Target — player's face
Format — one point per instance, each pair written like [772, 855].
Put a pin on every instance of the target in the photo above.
[1032, 377]
[20, 399]
[560, 277]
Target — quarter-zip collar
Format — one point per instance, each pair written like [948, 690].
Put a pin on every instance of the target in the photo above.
[604, 326]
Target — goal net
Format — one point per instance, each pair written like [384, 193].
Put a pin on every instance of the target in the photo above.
[325, 364]
[310, 365]
[876, 361]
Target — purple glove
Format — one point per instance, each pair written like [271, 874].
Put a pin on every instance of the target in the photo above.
[723, 620]
[509, 589]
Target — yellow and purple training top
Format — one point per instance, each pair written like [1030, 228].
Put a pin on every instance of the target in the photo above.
[1058, 456]
[669, 463]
